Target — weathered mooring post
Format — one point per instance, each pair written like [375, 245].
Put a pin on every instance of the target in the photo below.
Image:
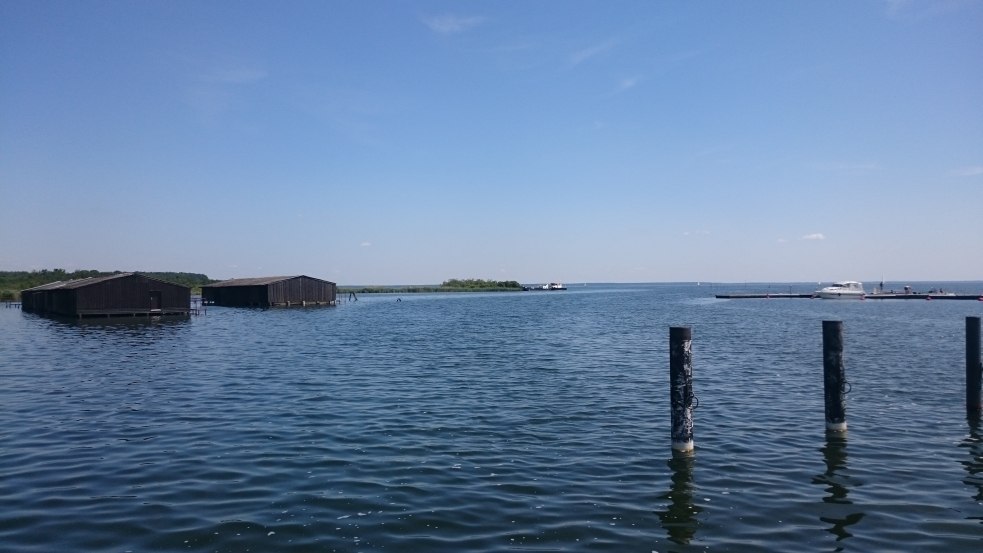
[681, 387]
[834, 376]
[974, 368]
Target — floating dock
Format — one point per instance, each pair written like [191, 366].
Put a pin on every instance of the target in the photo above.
[924, 297]
[975, 297]
[760, 296]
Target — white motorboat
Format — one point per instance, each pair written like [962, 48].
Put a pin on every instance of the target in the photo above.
[550, 286]
[845, 290]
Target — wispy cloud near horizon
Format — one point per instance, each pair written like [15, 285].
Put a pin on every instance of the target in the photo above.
[972, 171]
[848, 166]
[448, 24]
[585, 54]
[814, 236]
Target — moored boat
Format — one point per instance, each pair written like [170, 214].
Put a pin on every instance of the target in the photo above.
[844, 290]
[550, 286]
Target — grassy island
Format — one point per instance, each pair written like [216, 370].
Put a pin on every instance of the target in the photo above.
[452, 285]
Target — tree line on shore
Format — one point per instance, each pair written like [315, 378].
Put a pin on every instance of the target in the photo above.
[12, 282]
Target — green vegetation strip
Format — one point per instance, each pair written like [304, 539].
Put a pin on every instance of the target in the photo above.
[452, 285]
[12, 282]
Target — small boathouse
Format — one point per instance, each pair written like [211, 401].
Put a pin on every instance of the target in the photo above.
[270, 291]
[119, 295]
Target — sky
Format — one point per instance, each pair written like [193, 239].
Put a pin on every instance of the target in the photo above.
[412, 142]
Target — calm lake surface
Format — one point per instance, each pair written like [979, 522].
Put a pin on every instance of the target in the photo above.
[535, 421]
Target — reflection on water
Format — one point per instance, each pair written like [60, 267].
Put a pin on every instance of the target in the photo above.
[680, 516]
[837, 486]
[835, 457]
[974, 463]
[64, 322]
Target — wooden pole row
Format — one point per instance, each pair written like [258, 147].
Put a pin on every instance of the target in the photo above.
[835, 385]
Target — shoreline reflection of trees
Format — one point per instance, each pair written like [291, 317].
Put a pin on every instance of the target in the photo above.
[974, 464]
[837, 486]
[680, 515]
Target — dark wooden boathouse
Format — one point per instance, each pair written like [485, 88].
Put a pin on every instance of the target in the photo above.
[270, 291]
[123, 294]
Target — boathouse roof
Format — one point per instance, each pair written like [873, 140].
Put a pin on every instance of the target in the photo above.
[78, 283]
[258, 281]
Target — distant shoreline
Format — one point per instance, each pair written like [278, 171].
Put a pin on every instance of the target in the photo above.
[416, 290]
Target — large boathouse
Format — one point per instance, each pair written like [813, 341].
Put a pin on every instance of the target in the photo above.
[123, 294]
[270, 291]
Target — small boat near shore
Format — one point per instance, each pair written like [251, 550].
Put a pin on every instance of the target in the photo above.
[549, 286]
[843, 290]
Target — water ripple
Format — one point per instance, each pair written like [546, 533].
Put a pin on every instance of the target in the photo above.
[487, 422]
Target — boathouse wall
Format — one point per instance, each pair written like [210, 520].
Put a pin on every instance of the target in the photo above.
[236, 296]
[302, 289]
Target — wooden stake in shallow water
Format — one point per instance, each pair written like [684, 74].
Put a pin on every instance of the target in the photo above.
[834, 376]
[974, 369]
[681, 387]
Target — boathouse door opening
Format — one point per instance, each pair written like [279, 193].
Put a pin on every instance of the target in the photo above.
[155, 302]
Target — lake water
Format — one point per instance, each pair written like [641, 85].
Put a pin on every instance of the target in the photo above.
[535, 421]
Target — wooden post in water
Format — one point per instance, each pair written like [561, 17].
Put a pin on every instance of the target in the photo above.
[681, 387]
[974, 368]
[834, 376]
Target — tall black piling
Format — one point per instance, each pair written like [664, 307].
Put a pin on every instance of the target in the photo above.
[974, 368]
[681, 387]
[834, 376]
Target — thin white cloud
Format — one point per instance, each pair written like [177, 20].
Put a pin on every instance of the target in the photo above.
[585, 54]
[782, 241]
[681, 56]
[814, 236]
[214, 93]
[973, 171]
[897, 7]
[365, 244]
[912, 10]
[239, 75]
[696, 233]
[626, 83]
[848, 166]
[448, 24]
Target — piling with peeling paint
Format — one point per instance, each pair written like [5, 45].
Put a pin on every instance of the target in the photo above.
[681, 387]
[834, 376]
[974, 368]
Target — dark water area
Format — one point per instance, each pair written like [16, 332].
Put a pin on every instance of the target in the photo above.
[535, 421]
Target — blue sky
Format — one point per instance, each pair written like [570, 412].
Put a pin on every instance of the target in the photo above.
[413, 142]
